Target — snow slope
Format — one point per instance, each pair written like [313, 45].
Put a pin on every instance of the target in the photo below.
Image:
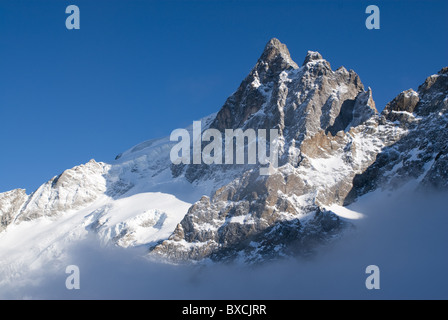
[131, 203]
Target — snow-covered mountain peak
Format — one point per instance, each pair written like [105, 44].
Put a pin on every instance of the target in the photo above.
[334, 148]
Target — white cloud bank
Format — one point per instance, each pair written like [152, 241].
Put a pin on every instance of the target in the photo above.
[406, 237]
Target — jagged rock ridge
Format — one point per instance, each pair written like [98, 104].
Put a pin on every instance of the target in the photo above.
[329, 131]
[334, 147]
[421, 156]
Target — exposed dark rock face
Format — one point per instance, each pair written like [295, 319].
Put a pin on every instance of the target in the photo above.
[401, 108]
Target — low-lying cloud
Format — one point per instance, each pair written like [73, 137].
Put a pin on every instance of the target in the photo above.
[406, 237]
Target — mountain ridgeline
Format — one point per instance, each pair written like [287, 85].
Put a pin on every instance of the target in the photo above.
[334, 147]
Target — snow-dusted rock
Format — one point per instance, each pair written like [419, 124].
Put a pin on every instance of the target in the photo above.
[334, 147]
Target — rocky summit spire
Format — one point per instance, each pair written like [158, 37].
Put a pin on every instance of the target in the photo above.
[287, 94]
[254, 91]
[312, 56]
[274, 59]
[276, 52]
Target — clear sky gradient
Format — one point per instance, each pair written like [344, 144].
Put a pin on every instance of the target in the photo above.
[136, 70]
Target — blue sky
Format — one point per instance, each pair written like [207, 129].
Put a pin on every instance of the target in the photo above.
[139, 69]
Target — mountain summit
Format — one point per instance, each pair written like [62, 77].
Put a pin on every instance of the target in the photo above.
[298, 101]
[321, 115]
[312, 56]
[275, 58]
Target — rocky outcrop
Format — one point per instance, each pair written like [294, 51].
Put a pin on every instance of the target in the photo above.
[420, 156]
[433, 94]
[255, 90]
[10, 204]
[402, 107]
